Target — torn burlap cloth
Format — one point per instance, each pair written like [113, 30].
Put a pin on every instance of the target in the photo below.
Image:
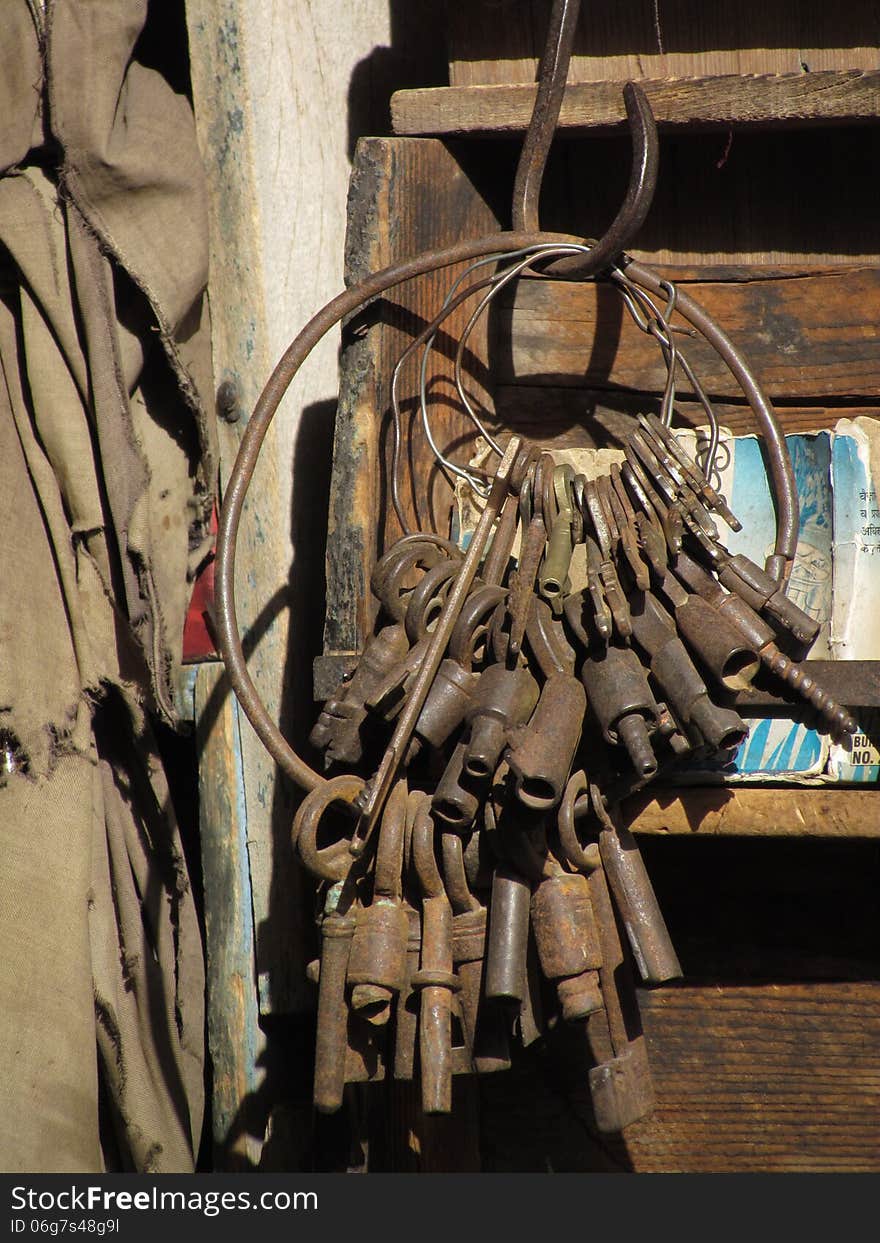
[106, 473]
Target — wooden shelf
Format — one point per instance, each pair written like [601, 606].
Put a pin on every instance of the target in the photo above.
[839, 96]
[749, 811]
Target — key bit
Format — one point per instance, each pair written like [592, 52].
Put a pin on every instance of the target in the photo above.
[519, 601]
[678, 498]
[670, 520]
[713, 499]
[680, 492]
[603, 489]
[597, 517]
[628, 540]
[641, 498]
[601, 611]
[573, 612]
[632, 536]
[621, 493]
[673, 530]
[653, 543]
[616, 598]
[614, 592]
[708, 543]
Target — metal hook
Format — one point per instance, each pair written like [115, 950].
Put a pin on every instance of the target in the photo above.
[539, 136]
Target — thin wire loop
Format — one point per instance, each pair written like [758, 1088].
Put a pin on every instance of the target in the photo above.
[657, 324]
[426, 338]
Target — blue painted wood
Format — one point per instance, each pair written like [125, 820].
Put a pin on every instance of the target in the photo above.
[234, 1036]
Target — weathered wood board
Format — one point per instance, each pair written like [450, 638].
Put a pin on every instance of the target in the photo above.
[748, 811]
[241, 354]
[235, 1041]
[779, 1078]
[501, 40]
[388, 223]
[771, 1079]
[568, 417]
[808, 336]
[777, 100]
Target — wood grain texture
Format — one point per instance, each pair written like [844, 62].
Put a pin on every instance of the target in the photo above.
[501, 40]
[773, 1078]
[747, 196]
[234, 1037]
[816, 336]
[242, 353]
[794, 811]
[779, 1078]
[571, 417]
[730, 99]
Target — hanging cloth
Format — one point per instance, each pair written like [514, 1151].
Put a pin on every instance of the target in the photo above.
[106, 488]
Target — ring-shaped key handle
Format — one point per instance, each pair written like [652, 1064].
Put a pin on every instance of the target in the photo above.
[582, 858]
[327, 862]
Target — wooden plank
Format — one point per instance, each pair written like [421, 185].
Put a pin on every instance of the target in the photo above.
[224, 120]
[234, 1037]
[749, 1078]
[417, 1143]
[750, 197]
[570, 417]
[488, 43]
[776, 1078]
[811, 337]
[716, 102]
[750, 811]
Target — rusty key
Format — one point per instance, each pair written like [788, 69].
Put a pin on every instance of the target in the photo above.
[620, 1084]
[435, 979]
[377, 789]
[713, 499]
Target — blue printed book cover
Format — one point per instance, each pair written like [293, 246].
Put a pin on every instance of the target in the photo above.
[834, 579]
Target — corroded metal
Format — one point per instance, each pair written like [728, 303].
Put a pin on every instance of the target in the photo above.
[622, 702]
[674, 671]
[374, 795]
[508, 935]
[435, 979]
[337, 731]
[377, 963]
[331, 1041]
[540, 754]
[502, 700]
